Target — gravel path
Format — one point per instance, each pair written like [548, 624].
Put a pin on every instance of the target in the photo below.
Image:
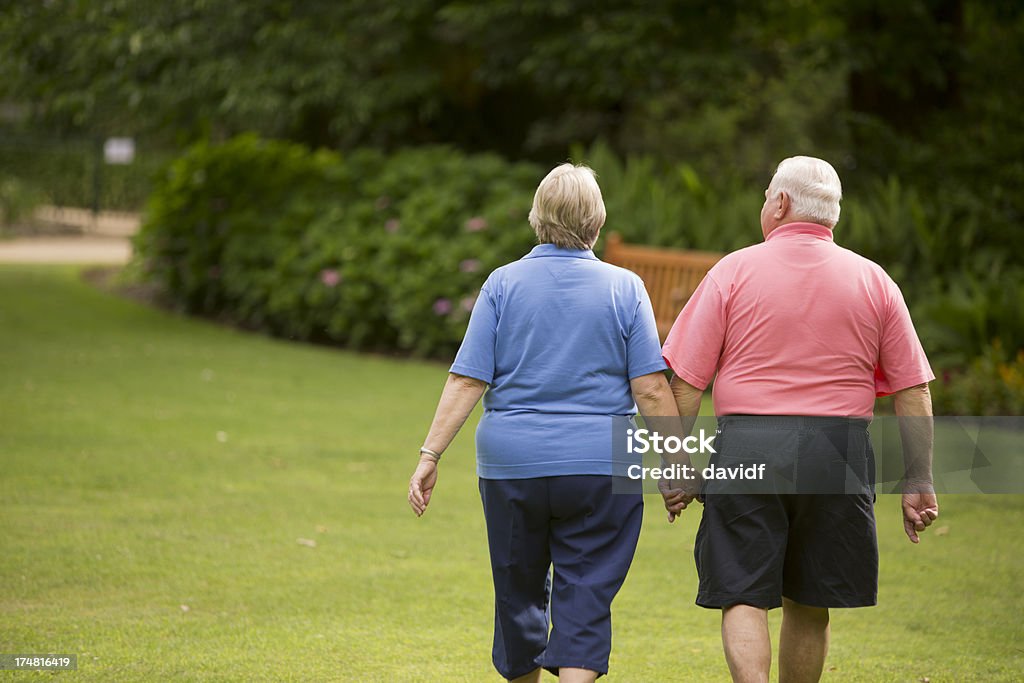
[99, 250]
[103, 239]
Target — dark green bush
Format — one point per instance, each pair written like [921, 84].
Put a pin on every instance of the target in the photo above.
[388, 252]
[963, 314]
[371, 251]
[915, 237]
[991, 384]
[17, 200]
[670, 205]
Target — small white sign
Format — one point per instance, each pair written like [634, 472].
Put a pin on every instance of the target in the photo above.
[119, 150]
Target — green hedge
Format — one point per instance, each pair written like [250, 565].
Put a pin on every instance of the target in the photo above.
[992, 384]
[370, 251]
[17, 200]
[388, 252]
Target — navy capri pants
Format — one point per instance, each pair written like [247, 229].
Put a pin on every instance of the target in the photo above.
[581, 532]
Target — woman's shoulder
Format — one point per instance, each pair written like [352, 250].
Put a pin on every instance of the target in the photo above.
[525, 270]
[618, 271]
[621, 277]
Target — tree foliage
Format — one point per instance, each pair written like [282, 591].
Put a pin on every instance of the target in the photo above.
[718, 84]
[915, 95]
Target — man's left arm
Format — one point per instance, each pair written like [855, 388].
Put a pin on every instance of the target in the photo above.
[914, 412]
[656, 403]
[692, 351]
[687, 398]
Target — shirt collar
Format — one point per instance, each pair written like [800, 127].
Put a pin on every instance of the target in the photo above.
[795, 229]
[542, 250]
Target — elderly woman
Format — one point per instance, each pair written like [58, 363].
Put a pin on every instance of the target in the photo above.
[562, 344]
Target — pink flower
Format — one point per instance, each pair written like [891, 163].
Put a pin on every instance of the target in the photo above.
[442, 307]
[467, 303]
[476, 224]
[382, 203]
[392, 225]
[330, 277]
[470, 265]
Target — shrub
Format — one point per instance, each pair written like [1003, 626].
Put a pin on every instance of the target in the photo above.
[992, 384]
[961, 315]
[219, 218]
[915, 237]
[17, 200]
[671, 205]
[370, 251]
[388, 252]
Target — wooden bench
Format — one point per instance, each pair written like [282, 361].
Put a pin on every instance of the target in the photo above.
[671, 275]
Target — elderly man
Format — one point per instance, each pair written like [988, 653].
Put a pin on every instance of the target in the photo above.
[801, 336]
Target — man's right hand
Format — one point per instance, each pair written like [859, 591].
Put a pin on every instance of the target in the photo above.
[920, 509]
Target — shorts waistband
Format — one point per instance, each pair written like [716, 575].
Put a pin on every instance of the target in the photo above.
[790, 422]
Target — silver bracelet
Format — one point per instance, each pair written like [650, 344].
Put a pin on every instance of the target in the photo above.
[426, 451]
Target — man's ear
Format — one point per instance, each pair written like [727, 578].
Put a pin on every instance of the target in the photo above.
[782, 206]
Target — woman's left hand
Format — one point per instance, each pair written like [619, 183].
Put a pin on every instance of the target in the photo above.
[421, 486]
[677, 496]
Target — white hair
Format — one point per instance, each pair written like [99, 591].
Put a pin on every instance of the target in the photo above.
[813, 187]
[568, 210]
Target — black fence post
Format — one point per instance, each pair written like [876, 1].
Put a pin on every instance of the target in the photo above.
[97, 177]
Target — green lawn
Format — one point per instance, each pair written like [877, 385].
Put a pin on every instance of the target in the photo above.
[157, 473]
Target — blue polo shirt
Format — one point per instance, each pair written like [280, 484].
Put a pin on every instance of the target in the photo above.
[557, 335]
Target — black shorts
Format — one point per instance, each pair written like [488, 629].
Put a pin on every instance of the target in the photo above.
[805, 531]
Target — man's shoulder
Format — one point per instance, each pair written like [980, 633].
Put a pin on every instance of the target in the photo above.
[865, 264]
[745, 253]
[755, 252]
[728, 264]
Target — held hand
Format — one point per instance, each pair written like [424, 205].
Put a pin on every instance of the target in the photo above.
[677, 494]
[920, 509]
[421, 486]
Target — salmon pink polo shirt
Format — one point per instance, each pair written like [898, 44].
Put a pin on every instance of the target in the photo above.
[797, 325]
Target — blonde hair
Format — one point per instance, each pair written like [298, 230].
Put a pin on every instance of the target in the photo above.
[568, 210]
[813, 187]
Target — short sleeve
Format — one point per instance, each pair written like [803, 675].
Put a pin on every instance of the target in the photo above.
[643, 348]
[901, 359]
[694, 344]
[476, 355]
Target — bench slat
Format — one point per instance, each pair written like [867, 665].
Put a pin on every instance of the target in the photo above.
[670, 275]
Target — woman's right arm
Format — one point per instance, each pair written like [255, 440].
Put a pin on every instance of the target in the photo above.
[459, 397]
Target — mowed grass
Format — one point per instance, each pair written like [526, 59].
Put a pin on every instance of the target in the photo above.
[158, 473]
